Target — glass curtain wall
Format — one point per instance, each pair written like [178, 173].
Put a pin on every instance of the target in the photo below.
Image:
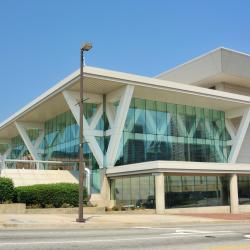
[163, 131]
[19, 150]
[134, 191]
[196, 191]
[61, 142]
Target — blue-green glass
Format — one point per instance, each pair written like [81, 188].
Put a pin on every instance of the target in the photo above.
[151, 117]
[140, 116]
[165, 131]
[161, 118]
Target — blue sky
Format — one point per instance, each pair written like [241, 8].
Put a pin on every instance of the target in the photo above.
[40, 40]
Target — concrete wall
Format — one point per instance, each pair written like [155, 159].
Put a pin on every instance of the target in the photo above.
[27, 177]
[14, 208]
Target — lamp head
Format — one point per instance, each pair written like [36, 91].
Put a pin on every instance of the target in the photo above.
[86, 46]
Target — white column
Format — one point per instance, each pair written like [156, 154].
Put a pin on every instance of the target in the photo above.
[159, 193]
[234, 201]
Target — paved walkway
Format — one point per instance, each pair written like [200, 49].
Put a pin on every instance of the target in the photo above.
[231, 217]
[109, 220]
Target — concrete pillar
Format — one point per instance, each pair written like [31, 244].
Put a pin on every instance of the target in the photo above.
[234, 201]
[102, 199]
[159, 193]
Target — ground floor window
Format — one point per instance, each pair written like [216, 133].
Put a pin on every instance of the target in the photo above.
[134, 191]
[244, 189]
[196, 191]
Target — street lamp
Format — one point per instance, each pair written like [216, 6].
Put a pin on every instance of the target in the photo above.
[85, 47]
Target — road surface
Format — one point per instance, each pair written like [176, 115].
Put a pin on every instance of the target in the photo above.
[223, 236]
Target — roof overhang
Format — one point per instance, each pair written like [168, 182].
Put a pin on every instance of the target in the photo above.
[100, 81]
[218, 66]
[179, 167]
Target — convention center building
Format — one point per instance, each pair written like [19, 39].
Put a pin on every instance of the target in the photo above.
[173, 142]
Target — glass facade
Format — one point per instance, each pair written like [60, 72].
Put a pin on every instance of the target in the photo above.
[163, 131]
[244, 189]
[153, 131]
[61, 142]
[61, 139]
[134, 191]
[18, 148]
[196, 191]
[180, 191]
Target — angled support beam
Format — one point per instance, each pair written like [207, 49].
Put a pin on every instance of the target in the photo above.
[125, 96]
[72, 101]
[22, 130]
[238, 139]
[31, 125]
[114, 96]
[97, 116]
[230, 128]
[110, 112]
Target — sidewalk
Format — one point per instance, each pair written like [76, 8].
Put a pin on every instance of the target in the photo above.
[64, 221]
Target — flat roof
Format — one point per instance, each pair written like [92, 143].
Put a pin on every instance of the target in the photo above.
[102, 81]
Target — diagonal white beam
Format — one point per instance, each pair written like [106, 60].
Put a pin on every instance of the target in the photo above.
[71, 100]
[110, 112]
[32, 125]
[121, 115]
[23, 133]
[115, 95]
[96, 117]
[230, 128]
[238, 139]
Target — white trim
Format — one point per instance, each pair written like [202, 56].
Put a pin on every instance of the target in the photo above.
[183, 167]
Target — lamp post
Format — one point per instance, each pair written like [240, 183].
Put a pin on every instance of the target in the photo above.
[85, 47]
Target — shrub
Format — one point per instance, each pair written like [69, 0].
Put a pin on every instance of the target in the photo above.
[45, 195]
[7, 191]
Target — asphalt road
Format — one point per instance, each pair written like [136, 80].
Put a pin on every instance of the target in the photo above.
[225, 236]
